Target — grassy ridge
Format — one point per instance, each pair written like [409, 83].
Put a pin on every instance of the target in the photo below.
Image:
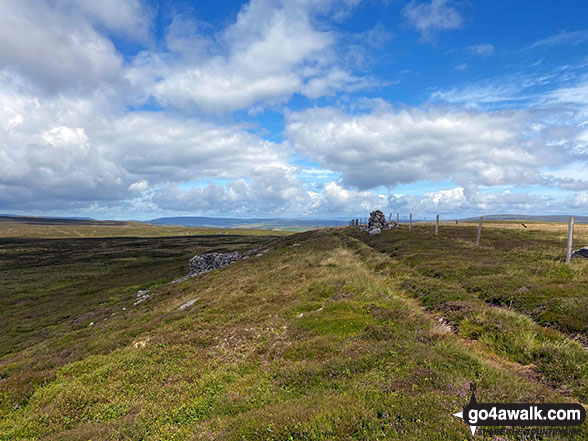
[514, 294]
[330, 335]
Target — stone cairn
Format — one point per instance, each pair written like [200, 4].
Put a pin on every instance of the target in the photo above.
[203, 263]
[377, 223]
[207, 262]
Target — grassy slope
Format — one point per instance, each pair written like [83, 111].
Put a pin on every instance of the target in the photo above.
[324, 337]
[54, 285]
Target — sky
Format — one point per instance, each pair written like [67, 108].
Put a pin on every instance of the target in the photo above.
[138, 109]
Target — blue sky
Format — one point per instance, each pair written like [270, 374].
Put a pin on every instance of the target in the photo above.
[137, 109]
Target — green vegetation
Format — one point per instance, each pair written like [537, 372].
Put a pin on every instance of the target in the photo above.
[330, 335]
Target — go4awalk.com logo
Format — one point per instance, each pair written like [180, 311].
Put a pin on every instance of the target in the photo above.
[520, 414]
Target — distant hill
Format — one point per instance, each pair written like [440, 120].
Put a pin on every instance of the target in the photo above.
[528, 218]
[57, 220]
[266, 224]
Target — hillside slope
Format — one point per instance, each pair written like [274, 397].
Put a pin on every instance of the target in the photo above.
[329, 335]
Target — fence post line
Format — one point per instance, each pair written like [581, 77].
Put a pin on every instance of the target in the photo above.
[479, 231]
[437, 225]
[397, 218]
[410, 222]
[570, 239]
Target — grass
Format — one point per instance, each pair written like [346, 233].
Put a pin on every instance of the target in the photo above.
[514, 294]
[34, 228]
[330, 335]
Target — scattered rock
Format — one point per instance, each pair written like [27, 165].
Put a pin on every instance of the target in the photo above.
[523, 289]
[16, 406]
[142, 295]
[187, 304]
[374, 231]
[91, 324]
[262, 252]
[180, 280]
[581, 252]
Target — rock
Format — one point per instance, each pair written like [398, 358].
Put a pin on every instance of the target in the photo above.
[207, 262]
[187, 304]
[581, 252]
[142, 295]
[377, 219]
[377, 223]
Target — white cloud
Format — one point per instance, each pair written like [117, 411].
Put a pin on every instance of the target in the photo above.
[430, 18]
[272, 51]
[271, 190]
[129, 18]
[481, 49]
[56, 45]
[389, 147]
[564, 38]
[481, 94]
[68, 140]
[62, 150]
[139, 186]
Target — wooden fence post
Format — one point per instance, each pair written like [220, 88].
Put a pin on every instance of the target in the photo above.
[570, 239]
[397, 218]
[410, 222]
[437, 225]
[479, 231]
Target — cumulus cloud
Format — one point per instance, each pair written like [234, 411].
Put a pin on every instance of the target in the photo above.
[71, 136]
[139, 186]
[57, 149]
[271, 189]
[272, 51]
[388, 147]
[56, 43]
[430, 18]
[129, 18]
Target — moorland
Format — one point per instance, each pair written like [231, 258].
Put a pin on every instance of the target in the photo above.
[332, 334]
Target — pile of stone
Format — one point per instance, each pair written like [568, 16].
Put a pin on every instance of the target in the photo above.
[204, 263]
[377, 223]
[207, 262]
[581, 252]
